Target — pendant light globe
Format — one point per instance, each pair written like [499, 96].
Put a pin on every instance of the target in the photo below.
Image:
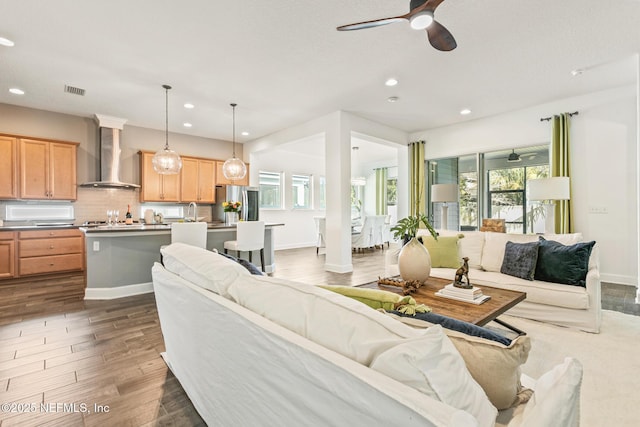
[166, 161]
[234, 169]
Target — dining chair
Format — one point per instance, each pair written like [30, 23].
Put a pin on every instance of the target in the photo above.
[249, 238]
[321, 229]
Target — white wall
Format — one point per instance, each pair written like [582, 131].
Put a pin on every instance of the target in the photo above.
[603, 164]
[299, 226]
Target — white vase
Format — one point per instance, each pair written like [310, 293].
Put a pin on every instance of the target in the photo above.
[230, 218]
[414, 261]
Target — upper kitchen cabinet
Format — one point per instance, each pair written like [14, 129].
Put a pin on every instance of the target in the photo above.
[47, 170]
[8, 167]
[198, 180]
[221, 180]
[156, 187]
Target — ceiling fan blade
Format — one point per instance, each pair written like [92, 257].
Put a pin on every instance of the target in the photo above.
[440, 38]
[371, 24]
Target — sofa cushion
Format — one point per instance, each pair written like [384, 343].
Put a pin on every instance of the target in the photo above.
[556, 399]
[201, 267]
[494, 247]
[378, 298]
[431, 364]
[555, 294]
[493, 360]
[471, 246]
[560, 263]
[341, 324]
[443, 252]
[520, 260]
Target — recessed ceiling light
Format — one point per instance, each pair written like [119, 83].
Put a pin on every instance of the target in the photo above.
[391, 82]
[465, 111]
[189, 106]
[187, 125]
[577, 72]
[392, 99]
[245, 133]
[16, 91]
[6, 42]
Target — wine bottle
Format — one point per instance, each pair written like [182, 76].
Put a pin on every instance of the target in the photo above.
[128, 219]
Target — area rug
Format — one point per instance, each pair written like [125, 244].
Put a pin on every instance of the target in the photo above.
[611, 362]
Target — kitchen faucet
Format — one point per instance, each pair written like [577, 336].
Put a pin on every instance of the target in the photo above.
[193, 217]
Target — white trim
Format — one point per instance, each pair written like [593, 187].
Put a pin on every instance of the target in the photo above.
[335, 268]
[295, 246]
[118, 292]
[619, 279]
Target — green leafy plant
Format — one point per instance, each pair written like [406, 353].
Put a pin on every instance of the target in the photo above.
[407, 228]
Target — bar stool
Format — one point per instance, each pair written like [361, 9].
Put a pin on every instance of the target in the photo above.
[191, 233]
[249, 237]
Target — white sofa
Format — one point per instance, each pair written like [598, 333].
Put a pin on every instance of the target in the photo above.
[254, 350]
[565, 305]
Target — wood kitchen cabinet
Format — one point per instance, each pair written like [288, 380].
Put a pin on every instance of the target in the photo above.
[50, 251]
[221, 180]
[47, 169]
[7, 254]
[8, 167]
[198, 180]
[154, 186]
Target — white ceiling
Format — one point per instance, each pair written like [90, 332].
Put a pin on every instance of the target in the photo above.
[284, 63]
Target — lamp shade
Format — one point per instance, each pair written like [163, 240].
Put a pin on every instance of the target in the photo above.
[555, 188]
[444, 193]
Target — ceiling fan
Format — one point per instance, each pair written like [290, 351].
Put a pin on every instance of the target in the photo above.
[420, 17]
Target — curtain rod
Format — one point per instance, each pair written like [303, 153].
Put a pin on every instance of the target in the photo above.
[546, 119]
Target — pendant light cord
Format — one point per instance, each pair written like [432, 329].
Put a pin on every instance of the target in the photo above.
[234, 129]
[166, 116]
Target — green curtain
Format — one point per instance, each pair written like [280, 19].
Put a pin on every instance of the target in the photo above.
[381, 191]
[417, 194]
[560, 143]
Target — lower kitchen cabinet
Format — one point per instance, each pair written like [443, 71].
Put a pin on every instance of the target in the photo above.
[7, 254]
[50, 251]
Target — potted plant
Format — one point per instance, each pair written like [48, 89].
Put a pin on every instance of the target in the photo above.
[414, 261]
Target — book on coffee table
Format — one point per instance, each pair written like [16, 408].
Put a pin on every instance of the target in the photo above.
[477, 300]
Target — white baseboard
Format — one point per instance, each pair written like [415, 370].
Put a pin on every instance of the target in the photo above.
[619, 279]
[294, 246]
[335, 268]
[118, 292]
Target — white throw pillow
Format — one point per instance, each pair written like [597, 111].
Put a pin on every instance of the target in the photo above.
[494, 245]
[432, 365]
[339, 323]
[556, 398]
[471, 246]
[201, 267]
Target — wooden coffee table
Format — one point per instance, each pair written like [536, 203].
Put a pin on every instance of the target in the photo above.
[481, 314]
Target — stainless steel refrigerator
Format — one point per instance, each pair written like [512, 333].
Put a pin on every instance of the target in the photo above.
[248, 196]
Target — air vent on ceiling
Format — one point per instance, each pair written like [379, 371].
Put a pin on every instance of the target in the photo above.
[74, 90]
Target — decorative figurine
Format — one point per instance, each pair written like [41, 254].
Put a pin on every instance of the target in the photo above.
[463, 272]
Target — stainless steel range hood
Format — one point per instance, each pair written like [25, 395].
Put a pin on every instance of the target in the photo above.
[110, 128]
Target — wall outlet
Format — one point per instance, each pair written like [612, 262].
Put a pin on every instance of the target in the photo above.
[599, 210]
[96, 246]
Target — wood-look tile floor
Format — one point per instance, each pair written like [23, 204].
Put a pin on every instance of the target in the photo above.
[102, 358]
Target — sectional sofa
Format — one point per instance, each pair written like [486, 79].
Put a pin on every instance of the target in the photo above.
[256, 350]
[576, 306]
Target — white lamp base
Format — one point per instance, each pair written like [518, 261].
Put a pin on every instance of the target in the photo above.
[445, 214]
[550, 219]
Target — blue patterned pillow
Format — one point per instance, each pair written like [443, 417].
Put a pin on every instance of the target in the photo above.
[520, 260]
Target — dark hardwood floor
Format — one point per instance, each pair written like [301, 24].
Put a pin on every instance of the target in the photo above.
[69, 362]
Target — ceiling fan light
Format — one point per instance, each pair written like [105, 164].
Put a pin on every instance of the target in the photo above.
[421, 20]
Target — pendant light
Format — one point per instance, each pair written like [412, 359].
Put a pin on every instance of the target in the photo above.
[167, 161]
[234, 168]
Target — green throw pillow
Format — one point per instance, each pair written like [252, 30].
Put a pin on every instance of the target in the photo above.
[377, 298]
[444, 251]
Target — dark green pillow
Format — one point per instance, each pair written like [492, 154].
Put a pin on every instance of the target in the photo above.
[520, 260]
[558, 263]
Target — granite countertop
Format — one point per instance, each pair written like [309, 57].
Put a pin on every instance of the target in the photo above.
[157, 227]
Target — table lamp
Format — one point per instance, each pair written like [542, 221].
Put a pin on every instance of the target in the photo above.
[444, 193]
[549, 189]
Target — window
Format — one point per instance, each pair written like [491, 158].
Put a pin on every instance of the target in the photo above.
[392, 191]
[468, 192]
[356, 202]
[270, 190]
[301, 191]
[323, 192]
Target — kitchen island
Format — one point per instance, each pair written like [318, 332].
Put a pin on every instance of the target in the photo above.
[119, 258]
